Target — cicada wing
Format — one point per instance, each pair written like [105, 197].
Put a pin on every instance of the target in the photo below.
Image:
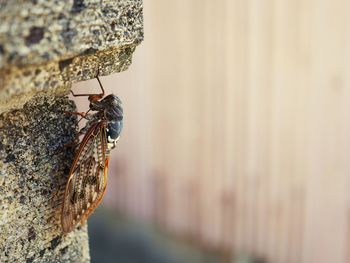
[87, 178]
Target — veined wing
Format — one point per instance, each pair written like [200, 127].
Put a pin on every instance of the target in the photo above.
[87, 178]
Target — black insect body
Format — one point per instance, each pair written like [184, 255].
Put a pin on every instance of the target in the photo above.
[88, 174]
[109, 109]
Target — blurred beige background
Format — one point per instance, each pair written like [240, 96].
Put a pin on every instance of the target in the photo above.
[237, 127]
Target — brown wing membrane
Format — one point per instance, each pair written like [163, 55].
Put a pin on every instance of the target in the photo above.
[87, 178]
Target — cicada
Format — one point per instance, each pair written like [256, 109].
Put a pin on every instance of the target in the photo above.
[88, 174]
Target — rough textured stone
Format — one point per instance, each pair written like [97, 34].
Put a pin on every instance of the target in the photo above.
[19, 84]
[45, 46]
[33, 171]
[33, 32]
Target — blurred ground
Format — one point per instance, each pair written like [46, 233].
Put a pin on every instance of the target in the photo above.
[114, 238]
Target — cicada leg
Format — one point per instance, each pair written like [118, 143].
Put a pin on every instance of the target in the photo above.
[92, 95]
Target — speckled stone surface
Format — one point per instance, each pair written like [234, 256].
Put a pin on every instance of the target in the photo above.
[45, 46]
[37, 31]
[33, 171]
[19, 84]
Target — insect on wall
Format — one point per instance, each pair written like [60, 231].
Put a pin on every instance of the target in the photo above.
[87, 179]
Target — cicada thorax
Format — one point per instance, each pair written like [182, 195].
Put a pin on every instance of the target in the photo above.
[88, 175]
